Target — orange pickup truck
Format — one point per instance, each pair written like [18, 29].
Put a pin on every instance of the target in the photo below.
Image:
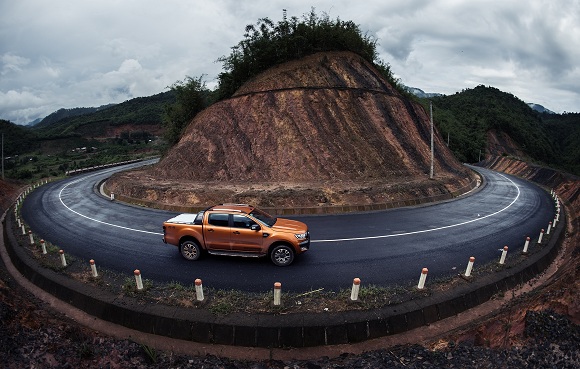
[237, 229]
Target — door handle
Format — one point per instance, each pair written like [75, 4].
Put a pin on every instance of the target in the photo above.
[236, 232]
[210, 230]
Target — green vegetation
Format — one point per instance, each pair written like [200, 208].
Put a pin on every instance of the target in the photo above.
[191, 97]
[17, 139]
[467, 117]
[79, 139]
[564, 129]
[137, 111]
[267, 44]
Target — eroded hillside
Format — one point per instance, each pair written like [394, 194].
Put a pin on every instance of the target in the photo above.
[323, 130]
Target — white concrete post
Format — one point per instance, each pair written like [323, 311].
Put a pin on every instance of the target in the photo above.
[198, 290]
[277, 293]
[23, 230]
[503, 255]
[541, 236]
[138, 279]
[422, 279]
[554, 222]
[526, 245]
[112, 196]
[549, 228]
[62, 258]
[43, 247]
[469, 266]
[355, 289]
[93, 269]
[31, 236]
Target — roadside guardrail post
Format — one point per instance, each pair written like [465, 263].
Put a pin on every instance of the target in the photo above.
[112, 196]
[277, 293]
[503, 255]
[138, 279]
[198, 290]
[422, 279]
[93, 269]
[549, 228]
[23, 230]
[62, 258]
[355, 289]
[31, 236]
[526, 244]
[541, 236]
[469, 266]
[43, 247]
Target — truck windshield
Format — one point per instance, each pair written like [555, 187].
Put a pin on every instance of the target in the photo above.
[263, 217]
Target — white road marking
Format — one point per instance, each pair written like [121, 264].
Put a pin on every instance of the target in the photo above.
[316, 241]
[96, 220]
[432, 229]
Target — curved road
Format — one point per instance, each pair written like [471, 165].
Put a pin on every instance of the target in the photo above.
[381, 248]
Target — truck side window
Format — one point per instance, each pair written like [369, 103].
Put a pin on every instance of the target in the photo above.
[218, 220]
[241, 221]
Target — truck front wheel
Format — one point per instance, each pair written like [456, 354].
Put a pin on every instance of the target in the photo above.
[190, 250]
[282, 255]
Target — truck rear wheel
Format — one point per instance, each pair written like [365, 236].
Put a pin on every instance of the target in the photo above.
[190, 250]
[282, 255]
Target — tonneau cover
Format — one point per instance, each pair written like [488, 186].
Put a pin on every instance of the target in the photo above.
[185, 218]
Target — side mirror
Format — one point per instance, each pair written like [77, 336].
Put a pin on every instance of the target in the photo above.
[255, 227]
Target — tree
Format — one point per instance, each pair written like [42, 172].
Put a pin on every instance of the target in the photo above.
[191, 97]
[267, 44]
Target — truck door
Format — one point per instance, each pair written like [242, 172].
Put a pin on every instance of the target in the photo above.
[243, 237]
[217, 231]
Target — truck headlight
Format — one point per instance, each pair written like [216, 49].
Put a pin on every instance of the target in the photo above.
[301, 236]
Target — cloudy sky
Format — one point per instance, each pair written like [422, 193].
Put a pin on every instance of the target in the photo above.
[65, 54]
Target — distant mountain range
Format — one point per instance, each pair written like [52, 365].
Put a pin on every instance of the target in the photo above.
[66, 113]
[540, 108]
[425, 95]
[420, 93]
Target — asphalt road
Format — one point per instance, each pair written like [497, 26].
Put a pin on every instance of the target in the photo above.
[381, 248]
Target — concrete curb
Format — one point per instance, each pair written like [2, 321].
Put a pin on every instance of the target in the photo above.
[271, 330]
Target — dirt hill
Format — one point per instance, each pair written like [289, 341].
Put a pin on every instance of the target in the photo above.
[8, 192]
[323, 130]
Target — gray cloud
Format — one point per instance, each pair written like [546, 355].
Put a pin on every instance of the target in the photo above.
[61, 54]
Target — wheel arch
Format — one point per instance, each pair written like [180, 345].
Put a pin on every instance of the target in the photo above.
[190, 238]
[281, 242]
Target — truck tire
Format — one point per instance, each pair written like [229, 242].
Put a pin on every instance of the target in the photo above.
[282, 255]
[190, 250]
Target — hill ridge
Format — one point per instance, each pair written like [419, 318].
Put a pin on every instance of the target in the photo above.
[279, 142]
